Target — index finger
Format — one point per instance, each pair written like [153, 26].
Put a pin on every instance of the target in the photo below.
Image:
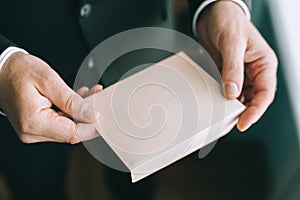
[59, 128]
[264, 88]
[255, 109]
[62, 96]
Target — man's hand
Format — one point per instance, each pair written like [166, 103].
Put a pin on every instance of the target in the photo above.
[248, 64]
[29, 88]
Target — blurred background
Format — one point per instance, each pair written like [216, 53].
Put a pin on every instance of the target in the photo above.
[262, 163]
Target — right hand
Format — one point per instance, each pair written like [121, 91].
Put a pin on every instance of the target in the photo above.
[248, 64]
[29, 88]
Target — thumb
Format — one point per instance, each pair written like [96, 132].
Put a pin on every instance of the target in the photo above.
[68, 101]
[232, 51]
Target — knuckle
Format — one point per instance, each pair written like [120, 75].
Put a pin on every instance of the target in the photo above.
[74, 105]
[25, 127]
[74, 139]
[72, 136]
[69, 104]
[272, 57]
[233, 73]
[25, 139]
[269, 98]
[26, 120]
[29, 125]
[235, 69]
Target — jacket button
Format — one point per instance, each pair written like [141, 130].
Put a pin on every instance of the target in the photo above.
[85, 10]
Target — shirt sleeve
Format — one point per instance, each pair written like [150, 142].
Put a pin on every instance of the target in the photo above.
[197, 6]
[7, 48]
[8, 52]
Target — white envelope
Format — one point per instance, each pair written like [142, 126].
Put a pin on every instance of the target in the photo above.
[163, 113]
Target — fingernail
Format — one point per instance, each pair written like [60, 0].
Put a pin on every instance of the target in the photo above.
[243, 128]
[231, 89]
[89, 112]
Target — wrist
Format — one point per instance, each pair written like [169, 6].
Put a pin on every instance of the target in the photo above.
[205, 6]
[11, 60]
[7, 53]
[6, 58]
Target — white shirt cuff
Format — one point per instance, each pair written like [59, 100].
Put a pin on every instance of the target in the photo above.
[5, 55]
[2, 113]
[8, 52]
[241, 3]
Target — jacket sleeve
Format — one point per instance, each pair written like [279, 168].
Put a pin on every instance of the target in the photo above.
[4, 43]
[193, 5]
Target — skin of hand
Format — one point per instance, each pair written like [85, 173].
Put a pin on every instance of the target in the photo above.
[29, 88]
[248, 64]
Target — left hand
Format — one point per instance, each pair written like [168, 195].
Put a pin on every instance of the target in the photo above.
[29, 89]
[247, 62]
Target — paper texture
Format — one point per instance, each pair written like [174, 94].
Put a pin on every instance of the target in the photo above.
[163, 113]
